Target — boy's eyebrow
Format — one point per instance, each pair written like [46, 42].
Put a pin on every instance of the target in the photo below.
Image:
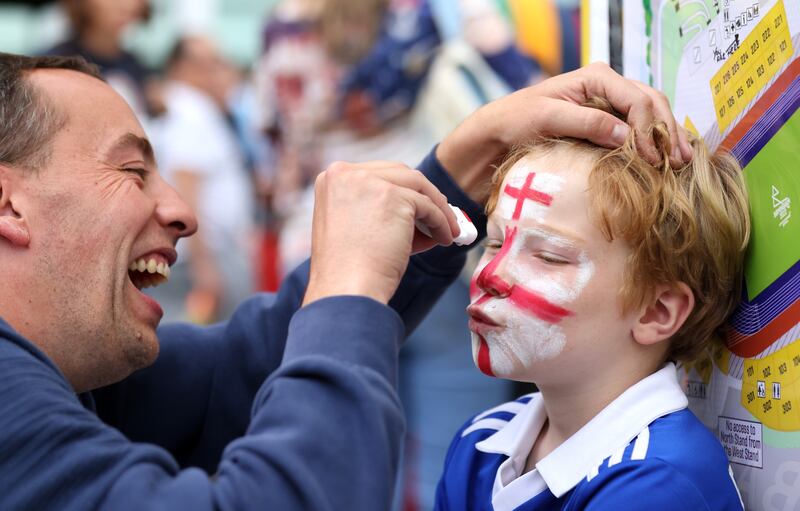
[560, 236]
[563, 237]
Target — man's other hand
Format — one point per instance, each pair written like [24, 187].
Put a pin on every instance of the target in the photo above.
[553, 108]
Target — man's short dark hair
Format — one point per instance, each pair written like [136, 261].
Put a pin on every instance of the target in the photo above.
[28, 119]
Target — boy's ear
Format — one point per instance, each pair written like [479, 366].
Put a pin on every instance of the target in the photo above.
[665, 314]
[13, 227]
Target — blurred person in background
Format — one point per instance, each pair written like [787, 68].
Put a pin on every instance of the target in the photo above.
[97, 27]
[199, 153]
[339, 80]
[296, 84]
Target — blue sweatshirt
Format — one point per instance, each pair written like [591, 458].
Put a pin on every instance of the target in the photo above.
[278, 408]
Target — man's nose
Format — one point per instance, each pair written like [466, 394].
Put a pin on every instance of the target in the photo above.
[173, 212]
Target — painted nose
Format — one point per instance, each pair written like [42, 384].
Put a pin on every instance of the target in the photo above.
[491, 281]
[173, 212]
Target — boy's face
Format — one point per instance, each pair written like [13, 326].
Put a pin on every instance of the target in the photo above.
[547, 287]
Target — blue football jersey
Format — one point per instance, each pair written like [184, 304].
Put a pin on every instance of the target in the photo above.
[644, 451]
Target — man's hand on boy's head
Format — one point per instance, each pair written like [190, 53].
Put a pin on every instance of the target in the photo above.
[682, 151]
[640, 104]
[553, 108]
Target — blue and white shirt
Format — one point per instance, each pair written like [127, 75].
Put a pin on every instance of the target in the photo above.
[644, 451]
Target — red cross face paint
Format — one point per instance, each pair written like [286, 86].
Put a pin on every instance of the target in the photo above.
[529, 292]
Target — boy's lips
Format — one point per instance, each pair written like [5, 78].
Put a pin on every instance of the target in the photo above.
[479, 317]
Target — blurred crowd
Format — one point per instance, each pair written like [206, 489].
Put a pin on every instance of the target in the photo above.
[351, 80]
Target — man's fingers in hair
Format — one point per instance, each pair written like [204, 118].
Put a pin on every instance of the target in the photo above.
[565, 119]
[686, 147]
[627, 98]
[664, 114]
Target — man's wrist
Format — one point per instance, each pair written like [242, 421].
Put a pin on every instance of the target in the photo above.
[470, 151]
[319, 290]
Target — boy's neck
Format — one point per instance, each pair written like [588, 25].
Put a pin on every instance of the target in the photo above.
[570, 406]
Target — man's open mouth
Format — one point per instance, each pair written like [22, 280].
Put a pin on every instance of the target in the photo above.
[146, 273]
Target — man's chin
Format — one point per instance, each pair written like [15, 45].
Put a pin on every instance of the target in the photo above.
[142, 349]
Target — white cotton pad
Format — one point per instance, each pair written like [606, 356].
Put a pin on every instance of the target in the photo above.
[467, 233]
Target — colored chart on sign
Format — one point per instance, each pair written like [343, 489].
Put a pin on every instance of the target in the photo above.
[712, 58]
[752, 66]
[771, 388]
[775, 243]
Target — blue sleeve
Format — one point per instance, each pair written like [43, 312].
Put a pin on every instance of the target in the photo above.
[648, 485]
[203, 383]
[326, 419]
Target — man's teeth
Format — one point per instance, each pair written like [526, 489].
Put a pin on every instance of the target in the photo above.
[150, 266]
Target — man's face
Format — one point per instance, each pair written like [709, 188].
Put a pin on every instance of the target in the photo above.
[94, 211]
[548, 284]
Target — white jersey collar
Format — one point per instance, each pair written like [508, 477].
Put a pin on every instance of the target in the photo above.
[613, 428]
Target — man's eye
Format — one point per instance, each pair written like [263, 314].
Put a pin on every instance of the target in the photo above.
[136, 170]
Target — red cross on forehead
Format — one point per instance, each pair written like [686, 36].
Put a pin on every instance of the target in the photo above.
[526, 192]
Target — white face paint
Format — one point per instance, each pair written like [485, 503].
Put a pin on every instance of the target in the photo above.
[559, 288]
[524, 341]
[542, 262]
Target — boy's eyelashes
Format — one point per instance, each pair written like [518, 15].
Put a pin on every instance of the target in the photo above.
[492, 244]
[551, 258]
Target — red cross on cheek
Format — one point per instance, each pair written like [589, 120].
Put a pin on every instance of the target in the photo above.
[526, 192]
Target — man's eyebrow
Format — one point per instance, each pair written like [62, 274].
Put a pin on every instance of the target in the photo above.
[132, 140]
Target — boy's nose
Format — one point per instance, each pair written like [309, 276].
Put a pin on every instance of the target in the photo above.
[492, 280]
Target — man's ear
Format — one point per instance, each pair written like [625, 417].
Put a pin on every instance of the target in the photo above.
[13, 227]
[665, 314]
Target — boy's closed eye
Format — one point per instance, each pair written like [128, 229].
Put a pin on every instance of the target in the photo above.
[492, 244]
[552, 259]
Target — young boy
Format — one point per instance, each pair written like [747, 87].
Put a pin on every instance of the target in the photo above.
[601, 272]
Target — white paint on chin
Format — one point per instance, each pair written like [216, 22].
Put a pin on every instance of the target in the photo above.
[522, 342]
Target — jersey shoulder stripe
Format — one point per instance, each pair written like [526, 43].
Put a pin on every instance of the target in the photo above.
[635, 450]
[496, 418]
